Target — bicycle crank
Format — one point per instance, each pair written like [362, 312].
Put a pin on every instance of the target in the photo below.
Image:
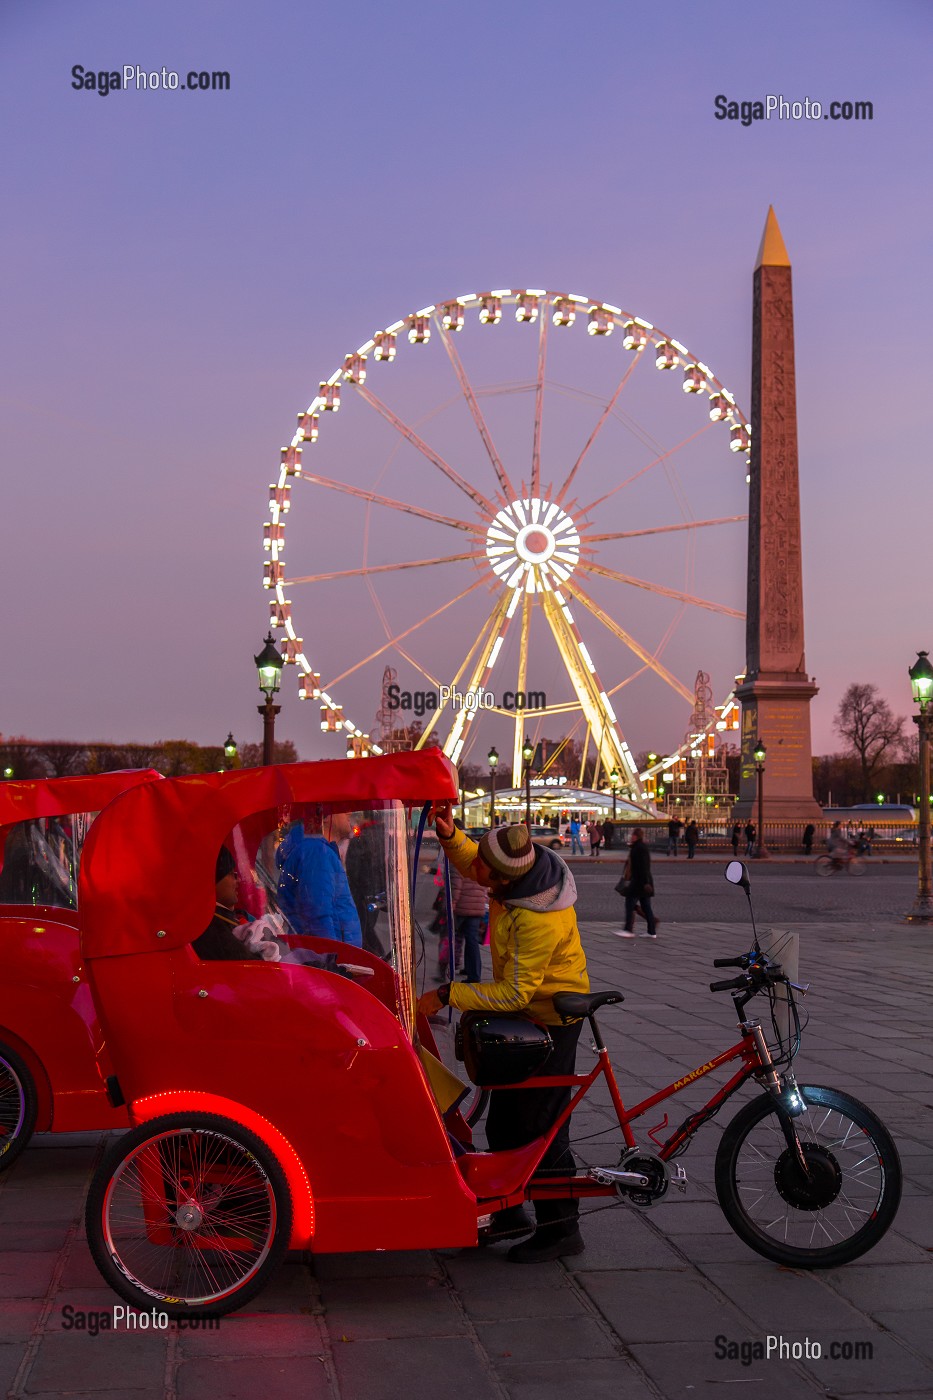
[641, 1178]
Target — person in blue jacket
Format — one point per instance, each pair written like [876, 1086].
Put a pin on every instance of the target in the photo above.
[313, 892]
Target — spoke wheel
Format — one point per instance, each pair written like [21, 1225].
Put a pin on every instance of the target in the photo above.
[857, 867]
[835, 1211]
[191, 1213]
[824, 866]
[18, 1106]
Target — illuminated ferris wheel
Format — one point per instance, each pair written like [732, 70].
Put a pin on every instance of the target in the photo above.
[556, 492]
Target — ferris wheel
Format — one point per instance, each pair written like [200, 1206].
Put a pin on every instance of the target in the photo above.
[570, 502]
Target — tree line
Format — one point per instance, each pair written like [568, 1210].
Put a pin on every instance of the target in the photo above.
[34, 758]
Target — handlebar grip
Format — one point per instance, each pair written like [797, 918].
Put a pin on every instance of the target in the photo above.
[729, 985]
[727, 962]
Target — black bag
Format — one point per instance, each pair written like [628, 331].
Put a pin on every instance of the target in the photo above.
[504, 1049]
[624, 886]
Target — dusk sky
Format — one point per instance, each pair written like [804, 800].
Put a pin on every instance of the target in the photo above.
[181, 270]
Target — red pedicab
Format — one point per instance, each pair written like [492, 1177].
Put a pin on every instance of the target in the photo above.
[282, 1106]
[49, 1036]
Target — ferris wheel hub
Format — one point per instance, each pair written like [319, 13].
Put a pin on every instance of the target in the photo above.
[533, 545]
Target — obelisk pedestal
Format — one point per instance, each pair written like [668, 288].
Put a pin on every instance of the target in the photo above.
[776, 691]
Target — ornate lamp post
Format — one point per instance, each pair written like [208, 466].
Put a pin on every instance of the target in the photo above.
[528, 753]
[230, 751]
[921, 683]
[492, 759]
[269, 665]
[759, 755]
[614, 785]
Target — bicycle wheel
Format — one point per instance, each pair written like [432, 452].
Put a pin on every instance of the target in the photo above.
[857, 867]
[189, 1212]
[824, 866]
[18, 1106]
[837, 1213]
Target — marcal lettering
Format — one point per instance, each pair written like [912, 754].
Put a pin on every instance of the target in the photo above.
[694, 1074]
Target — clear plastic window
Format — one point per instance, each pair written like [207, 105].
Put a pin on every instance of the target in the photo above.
[40, 860]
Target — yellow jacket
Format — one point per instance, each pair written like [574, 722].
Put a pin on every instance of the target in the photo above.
[536, 951]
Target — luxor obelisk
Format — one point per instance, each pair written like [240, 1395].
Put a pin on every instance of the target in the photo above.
[776, 691]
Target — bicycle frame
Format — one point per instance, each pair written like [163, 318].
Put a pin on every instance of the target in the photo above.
[752, 1050]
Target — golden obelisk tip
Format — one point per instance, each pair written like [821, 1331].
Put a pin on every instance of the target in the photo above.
[772, 252]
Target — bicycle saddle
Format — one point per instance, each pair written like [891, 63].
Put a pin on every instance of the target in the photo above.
[568, 1005]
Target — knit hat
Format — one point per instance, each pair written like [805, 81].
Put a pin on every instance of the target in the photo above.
[508, 851]
[225, 864]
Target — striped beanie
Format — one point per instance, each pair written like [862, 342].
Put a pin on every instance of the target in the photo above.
[508, 851]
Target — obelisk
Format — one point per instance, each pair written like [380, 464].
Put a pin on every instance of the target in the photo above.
[776, 691]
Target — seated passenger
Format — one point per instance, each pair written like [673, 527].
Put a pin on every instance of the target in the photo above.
[227, 937]
[313, 891]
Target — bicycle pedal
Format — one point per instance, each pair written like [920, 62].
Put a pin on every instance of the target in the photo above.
[679, 1178]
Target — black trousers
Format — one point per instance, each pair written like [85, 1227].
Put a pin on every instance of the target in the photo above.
[518, 1116]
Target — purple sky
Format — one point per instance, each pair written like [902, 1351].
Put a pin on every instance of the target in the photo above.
[181, 269]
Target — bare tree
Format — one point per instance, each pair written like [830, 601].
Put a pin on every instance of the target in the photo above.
[875, 735]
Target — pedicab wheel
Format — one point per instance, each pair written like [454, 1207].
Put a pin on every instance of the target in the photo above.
[474, 1106]
[824, 866]
[838, 1209]
[189, 1213]
[18, 1106]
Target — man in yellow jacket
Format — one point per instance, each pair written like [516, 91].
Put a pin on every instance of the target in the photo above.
[536, 951]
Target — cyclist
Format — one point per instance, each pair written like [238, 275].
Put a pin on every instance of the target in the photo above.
[838, 847]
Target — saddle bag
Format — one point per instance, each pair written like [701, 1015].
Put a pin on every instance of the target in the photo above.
[501, 1049]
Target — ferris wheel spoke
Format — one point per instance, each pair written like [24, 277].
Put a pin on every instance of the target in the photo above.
[473, 405]
[666, 529]
[592, 607]
[492, 638]
[588, 566]
[378, 500]
[655, 461]
[539, 406]
[518, 721]
[400, 636]
[366, 569]
[487, 630]
[433, 457]
[559, 498]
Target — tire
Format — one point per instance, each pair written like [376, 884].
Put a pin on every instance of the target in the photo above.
[556, 845]
[18, 1106]
[774, 1210]
[824, 866]
[857, 866]
[474, 1106]
[201, 1154]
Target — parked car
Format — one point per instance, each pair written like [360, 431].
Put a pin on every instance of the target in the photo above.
[547, 836]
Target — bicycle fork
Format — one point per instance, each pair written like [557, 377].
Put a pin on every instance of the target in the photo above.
[789, 1103]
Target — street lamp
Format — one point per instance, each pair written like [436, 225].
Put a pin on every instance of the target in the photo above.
[759, 754]
[230, 751]
[528, 753]
[269, 665]
[492, 758]
[921, 684]
[614, 785]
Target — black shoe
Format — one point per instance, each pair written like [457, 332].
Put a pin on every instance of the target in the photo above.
[507, 1225]
[547, 1243]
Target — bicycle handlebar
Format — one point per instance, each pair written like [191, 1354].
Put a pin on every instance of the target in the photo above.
[730, 962]
[729, 985]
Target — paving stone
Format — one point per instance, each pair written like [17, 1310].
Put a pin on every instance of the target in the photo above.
[660, 1305]
[768, 1295]
[10, 1358]
[912, 1327]
[368, 1308]
[914, 1220]
[885, 1287]
[621, 1239]
[108, 1360]
[681, 1369]
[249, 1334]
[417, 1368]
[892, 1368]
[26, 1275]
[18, 1317]
[276, 1378]
[559, 1338]
[615, 1379]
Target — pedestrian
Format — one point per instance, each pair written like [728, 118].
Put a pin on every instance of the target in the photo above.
[576, 845]
[691, 836]
[536, 952]
[313, 891]
[594, 831]
[809, 832]
[750, 834]
[674, 828]
[609, 832]
[736, 836]
[637, 887]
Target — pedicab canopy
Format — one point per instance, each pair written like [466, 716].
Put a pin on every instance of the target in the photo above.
[147, 874]
[59, 797]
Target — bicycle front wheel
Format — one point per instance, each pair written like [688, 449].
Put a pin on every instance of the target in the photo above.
[856, 866]
[836, 1211]
[824, 866]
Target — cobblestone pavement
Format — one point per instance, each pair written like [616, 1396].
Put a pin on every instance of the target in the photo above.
[636, 1316]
